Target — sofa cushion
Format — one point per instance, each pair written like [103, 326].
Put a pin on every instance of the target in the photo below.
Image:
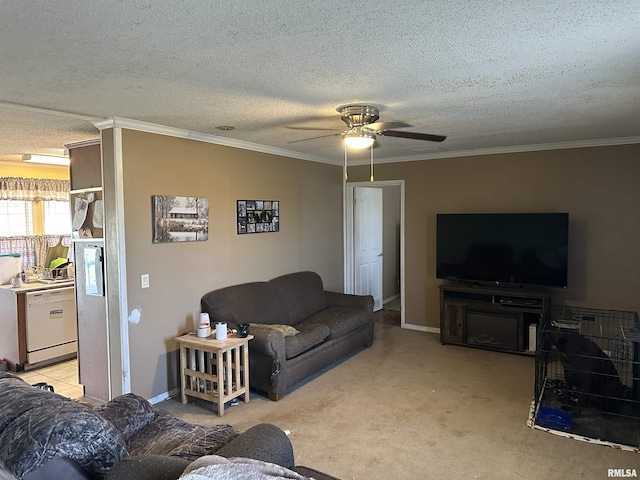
[340, 320]
[255, 302]
[303, 294]
[38, 425]
[129, 413]
[310, 335]
[148, 467]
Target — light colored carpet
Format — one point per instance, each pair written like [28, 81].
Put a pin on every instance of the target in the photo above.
[410, 408]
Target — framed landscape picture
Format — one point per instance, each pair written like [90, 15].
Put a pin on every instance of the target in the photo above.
[180, 219]
[258, 216]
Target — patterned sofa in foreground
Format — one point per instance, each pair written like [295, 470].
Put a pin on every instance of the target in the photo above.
[299, 327]
[44, 435]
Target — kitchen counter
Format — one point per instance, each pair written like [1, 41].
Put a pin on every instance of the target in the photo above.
[33, 286]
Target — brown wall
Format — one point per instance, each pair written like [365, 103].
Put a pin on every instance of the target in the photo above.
[597, 186]
[310, 237]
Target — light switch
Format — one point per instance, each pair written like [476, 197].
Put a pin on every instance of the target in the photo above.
[144, 280]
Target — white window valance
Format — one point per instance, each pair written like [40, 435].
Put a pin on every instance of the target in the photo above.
[34, 189]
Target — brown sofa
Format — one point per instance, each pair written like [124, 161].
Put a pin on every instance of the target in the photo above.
[329, 326]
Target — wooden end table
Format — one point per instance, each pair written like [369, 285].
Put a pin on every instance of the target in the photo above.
[214, 370]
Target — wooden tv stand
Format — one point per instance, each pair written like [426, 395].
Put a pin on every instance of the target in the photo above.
[495, 318]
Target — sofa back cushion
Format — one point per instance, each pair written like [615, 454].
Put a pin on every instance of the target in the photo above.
[255, 302]
[303, 294]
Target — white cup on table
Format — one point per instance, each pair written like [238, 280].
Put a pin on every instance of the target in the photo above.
[221, 331]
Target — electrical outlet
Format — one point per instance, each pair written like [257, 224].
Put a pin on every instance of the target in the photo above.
[144, 280]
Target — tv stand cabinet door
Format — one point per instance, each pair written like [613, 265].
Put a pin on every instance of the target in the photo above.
[452, 323]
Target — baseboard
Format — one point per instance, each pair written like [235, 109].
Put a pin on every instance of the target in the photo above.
[164, 396]
[387, 300]
[421, 328]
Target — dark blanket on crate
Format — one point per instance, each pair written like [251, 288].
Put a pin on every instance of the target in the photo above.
[38, 425]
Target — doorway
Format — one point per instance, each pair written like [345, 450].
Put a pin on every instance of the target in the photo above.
[392, 222]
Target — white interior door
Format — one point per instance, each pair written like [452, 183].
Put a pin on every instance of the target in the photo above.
[368, 243]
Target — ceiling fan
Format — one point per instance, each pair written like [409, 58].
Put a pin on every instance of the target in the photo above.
[363, 127]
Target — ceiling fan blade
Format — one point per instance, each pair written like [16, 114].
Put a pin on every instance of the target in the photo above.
[385, 125]
[313, 138]
[413, 135]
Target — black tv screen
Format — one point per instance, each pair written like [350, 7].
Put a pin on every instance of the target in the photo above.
[503, 248]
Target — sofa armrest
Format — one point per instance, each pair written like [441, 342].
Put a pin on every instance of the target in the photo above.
[267, 342]
[361, 302]
[264, 442]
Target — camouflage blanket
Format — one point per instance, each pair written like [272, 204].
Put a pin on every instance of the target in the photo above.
[38, 425]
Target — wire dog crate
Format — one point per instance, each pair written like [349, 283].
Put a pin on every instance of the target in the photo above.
[587, 375]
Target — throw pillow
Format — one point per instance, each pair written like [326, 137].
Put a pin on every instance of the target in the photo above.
[286, 330]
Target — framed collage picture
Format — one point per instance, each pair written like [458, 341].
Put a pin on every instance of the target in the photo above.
[258, 216]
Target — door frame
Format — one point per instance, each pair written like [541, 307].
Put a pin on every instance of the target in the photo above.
[348, 242]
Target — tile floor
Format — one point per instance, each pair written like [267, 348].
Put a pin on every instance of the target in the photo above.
[62, 376]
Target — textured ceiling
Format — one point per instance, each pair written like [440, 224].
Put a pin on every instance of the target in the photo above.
[489, 74]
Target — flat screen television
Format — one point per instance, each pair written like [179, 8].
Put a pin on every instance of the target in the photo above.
[503, 248]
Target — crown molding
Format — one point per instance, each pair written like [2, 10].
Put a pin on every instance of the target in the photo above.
[118, 122]
[603, 142]
[84, 143]
[47, 111]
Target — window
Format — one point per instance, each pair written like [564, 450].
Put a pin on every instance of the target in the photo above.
[16, 218]
[20, 218]
[57, 218]
[34, 215]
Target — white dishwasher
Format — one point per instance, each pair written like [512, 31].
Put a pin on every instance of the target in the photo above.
[51, 324]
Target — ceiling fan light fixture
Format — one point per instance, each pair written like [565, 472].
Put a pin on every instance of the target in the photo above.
[359, 139]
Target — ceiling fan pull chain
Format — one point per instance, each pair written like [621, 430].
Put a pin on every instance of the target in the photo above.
[345, 161]
[371, 179]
